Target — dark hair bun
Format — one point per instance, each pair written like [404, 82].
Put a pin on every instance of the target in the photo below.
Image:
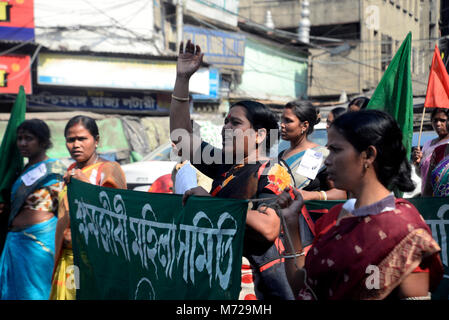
[376, 128]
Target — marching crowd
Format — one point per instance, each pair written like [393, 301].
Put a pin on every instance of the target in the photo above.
[363, 163]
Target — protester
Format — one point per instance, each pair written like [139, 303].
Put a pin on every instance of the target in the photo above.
[297, 122]
[334, 114]
[241, 170]
[421, 159]
[373, 246]
[28, 256]
[82, 138]
[358, 103]
[437, 180]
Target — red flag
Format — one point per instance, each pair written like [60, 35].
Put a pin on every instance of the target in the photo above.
[437, 95]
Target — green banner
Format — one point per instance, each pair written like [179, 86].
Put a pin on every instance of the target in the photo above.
[137, 245]
[435, 211]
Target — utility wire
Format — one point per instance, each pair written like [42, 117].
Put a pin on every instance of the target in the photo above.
[27, 67]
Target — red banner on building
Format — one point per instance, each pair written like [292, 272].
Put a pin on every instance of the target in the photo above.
[14, 72]
[17, 20]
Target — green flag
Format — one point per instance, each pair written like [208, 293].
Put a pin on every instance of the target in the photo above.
[11, 161]
[139, 245]
[394, 93]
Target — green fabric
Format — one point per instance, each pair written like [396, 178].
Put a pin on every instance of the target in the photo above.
[11, 161]
[394, 92]
[435, 210]
[135, 156]
[137, 245]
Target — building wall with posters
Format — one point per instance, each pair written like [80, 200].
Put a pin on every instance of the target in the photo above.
[109, 84]
[17, 29]
[105, 56]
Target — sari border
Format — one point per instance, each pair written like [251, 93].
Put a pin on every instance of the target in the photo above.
[400, 262]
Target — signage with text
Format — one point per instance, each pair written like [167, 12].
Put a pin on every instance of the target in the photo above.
[15, 72]
[221, 49]
[17, 20]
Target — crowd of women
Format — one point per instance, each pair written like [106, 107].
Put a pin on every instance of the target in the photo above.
[37, 251]
[363, 161]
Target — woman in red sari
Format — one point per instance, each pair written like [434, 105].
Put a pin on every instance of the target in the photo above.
[374, 246]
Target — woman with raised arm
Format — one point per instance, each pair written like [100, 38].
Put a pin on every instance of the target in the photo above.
[28, 256]
[373, 246]
[240, 170]
[82, 138]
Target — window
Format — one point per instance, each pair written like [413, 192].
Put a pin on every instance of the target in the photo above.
[386, 51]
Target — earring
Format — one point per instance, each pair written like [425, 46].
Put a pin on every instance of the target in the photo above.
[366, 165]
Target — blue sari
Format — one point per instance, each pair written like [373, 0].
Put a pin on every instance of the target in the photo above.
[27, 259]
[293, 162]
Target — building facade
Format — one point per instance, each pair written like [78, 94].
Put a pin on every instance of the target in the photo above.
[353, 41]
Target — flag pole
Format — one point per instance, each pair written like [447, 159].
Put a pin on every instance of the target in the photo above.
[420, 128]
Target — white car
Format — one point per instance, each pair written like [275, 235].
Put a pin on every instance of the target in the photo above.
[141, 175]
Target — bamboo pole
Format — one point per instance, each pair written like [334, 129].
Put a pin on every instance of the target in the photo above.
[420, 129]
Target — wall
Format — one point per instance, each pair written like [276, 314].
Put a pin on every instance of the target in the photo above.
[334, 11]
[100, 26]
[360, 68]
[272, 73]
[221, 11]
[286, 14]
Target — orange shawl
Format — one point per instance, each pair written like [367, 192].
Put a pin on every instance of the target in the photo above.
[103, 173]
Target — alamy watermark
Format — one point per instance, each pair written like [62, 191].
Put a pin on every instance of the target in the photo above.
[72, 276]
[373, 280]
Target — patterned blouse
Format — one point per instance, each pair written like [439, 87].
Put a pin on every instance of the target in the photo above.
[44, 199]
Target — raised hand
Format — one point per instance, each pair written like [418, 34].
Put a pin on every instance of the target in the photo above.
[189, 59]
[197, 191]
[417, 156]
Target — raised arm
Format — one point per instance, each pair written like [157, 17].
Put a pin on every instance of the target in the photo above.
[189, 61]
